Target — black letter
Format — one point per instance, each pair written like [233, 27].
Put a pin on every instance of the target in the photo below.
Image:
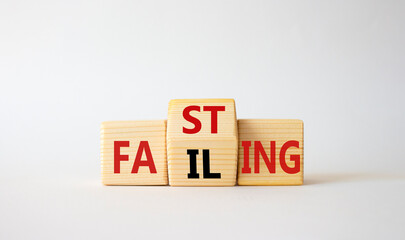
[193, 163]
[206, 165]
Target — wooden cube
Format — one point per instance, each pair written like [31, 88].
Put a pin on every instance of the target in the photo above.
[202, 142]
[270, 152]
[134, 153]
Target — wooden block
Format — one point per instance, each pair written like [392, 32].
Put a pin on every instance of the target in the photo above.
[134, 153]
[270, 152]
[202, 142]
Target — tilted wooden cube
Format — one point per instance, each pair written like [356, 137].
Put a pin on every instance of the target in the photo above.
[270, 152]
[134, 153]
[202, 142]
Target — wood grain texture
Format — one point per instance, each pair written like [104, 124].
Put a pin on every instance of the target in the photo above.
[134, 131]
[222, 145]
[266, 130]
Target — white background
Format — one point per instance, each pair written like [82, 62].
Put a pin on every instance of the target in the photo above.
[66, 66]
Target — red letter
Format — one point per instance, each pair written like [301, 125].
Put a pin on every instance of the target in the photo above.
[214, 116]
[294, 158]
[149, 160]
[246, 168]
[271, 166]
[117, 155]
[188, 117]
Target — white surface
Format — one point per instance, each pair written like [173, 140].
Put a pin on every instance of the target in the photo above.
[67, 66]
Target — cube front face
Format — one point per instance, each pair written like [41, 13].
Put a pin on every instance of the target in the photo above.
[192, 118]
[270, 152]
[134, 153]
[202, 142]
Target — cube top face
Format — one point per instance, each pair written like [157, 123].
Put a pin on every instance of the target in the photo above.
[270, 152]
[202, 142]
[125, 142]
[196, 118]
